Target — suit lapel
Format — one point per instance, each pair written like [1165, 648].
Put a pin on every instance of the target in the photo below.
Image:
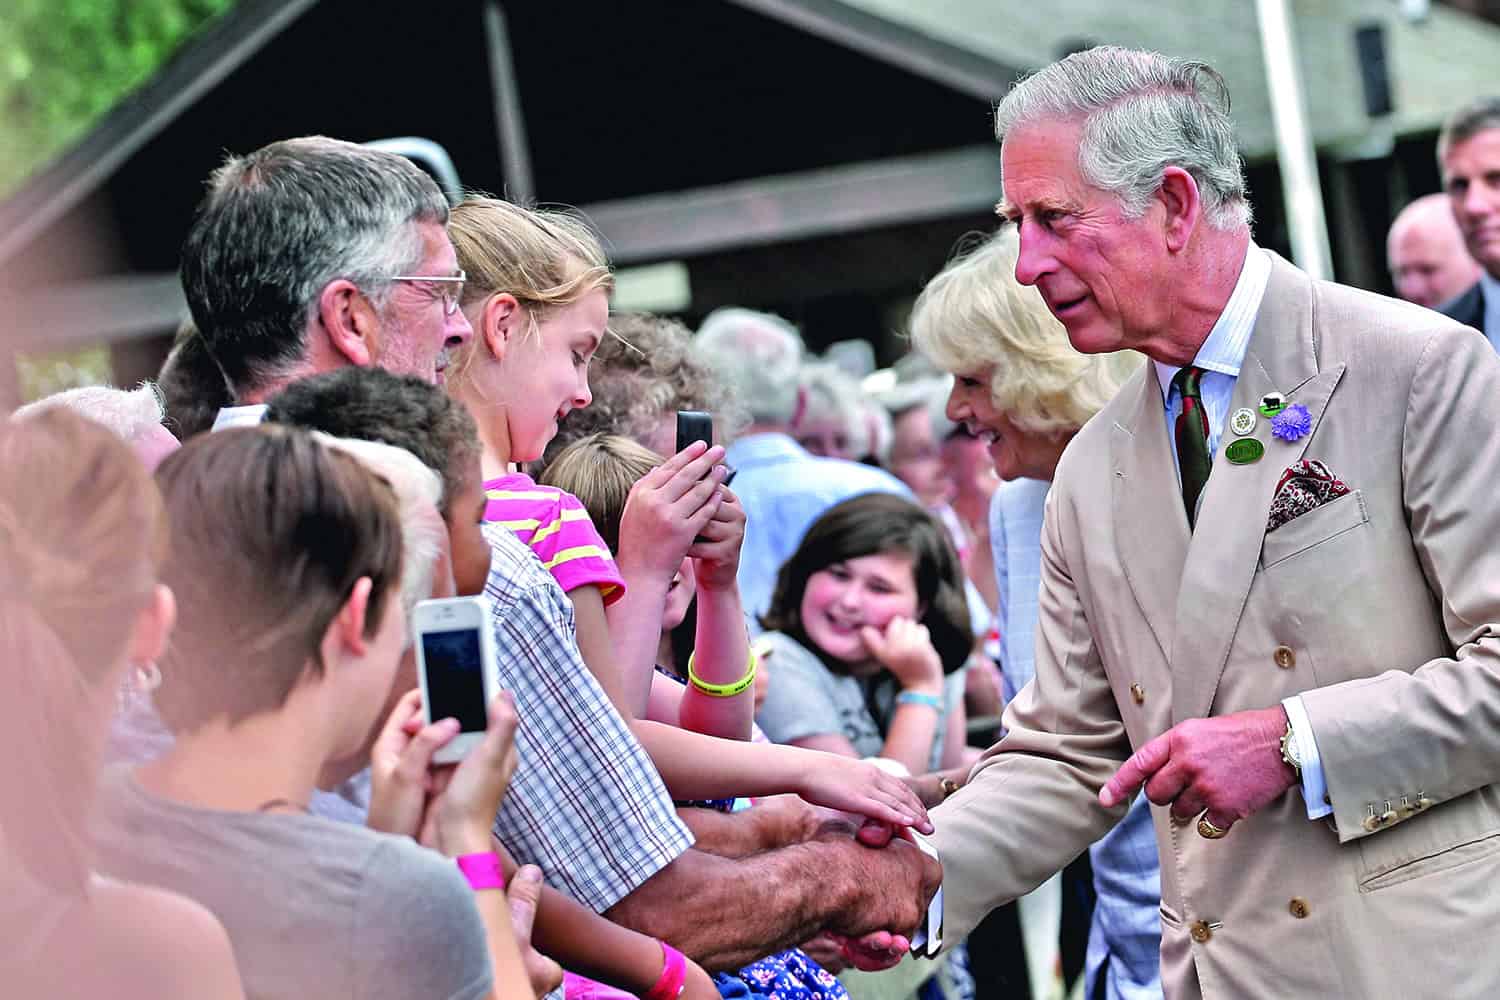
[1150, 526]
[1225, 549]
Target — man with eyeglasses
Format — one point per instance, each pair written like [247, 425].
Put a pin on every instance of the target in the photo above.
[310, 254]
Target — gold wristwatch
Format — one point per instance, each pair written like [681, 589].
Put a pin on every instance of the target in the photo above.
[1289, 754]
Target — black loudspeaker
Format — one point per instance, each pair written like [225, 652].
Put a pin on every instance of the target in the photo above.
[1374, 69]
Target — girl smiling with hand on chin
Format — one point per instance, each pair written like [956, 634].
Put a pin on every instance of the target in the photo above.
[866, 630]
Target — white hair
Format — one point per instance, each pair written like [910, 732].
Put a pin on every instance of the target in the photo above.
[129, 413]
[418, 490]
[832, 394]
[759, 355]
[1141, 113]
[878, 423]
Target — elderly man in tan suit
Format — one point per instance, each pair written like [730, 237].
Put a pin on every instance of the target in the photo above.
[1271, 568]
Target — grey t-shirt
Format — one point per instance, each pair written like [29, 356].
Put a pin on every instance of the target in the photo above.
[313, 908]
[805, 698]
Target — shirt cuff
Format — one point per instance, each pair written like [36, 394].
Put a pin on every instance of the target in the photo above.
[1314, 785]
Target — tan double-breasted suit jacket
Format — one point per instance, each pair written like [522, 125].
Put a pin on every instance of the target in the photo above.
[1381, 608]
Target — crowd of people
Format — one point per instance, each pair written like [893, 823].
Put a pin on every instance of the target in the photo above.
[740, 678]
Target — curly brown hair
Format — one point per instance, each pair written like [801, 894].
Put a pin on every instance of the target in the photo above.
[647, 368]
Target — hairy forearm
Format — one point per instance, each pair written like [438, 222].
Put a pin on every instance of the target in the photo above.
[779, 823]
[727, 913]
[721, 654]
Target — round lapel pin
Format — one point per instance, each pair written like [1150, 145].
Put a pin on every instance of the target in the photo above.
[1272, 403]
[1244, 451]
[1242, 421]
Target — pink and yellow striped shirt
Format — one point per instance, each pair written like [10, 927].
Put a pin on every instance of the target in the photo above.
[556, 527]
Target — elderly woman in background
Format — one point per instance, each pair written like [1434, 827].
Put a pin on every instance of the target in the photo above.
[1019, 384]
[832, 423]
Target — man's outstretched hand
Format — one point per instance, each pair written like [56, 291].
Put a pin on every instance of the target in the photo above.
[1230, 766]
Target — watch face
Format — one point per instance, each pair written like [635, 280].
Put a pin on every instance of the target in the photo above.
[1289, 752]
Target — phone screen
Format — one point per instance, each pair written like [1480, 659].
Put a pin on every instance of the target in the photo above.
[455, 677]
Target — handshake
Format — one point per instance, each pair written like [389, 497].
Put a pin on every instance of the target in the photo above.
[879, 882]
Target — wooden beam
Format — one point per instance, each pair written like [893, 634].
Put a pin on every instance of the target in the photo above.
[102, 310]
[796, 206]
[899, 45]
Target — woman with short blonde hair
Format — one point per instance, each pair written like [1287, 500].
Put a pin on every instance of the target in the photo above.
[975, 317]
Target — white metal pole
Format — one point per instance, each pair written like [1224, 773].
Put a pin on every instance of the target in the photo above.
[1294, 147]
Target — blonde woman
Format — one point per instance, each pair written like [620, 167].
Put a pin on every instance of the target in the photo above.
[1019, 384]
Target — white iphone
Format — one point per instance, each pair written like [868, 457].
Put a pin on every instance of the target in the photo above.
[456, 667]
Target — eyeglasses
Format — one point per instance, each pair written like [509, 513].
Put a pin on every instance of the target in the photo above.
[450, 294]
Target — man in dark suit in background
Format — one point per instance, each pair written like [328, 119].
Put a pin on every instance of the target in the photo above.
[1469, 156]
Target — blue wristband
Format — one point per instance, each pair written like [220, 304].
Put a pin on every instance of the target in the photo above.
[932, 701]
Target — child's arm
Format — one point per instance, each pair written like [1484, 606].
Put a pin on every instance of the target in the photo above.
[721, 655]
[589, 945]
[694, 766]
[905, 649]
[667, 507]
[591, 620]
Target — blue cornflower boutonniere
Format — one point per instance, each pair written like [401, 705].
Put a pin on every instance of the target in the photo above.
[1292, 423]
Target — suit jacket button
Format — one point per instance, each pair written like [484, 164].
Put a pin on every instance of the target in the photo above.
[1137, 694]
[1372, 823]
[1298, 907]
[1200, 931]
[1284, 657]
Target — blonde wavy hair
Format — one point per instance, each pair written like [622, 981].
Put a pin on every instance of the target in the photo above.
[548, 259]
[975, 315]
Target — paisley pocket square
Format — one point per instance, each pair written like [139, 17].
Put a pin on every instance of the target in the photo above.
[1303, 487]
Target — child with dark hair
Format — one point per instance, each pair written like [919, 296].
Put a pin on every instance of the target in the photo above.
[866, 631]
[371, 404]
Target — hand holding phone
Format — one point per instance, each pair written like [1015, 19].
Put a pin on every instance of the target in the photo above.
[455, 648]
[464, 799]
[694, 425]
[666, 509]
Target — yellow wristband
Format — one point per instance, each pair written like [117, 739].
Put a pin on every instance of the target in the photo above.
[724, 690]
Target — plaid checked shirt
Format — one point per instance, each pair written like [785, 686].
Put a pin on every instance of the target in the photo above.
[586, 804]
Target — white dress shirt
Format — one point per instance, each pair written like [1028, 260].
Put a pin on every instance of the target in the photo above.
[1220, 358]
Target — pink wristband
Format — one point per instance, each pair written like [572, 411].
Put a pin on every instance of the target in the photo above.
[482, 870]
[673, 978]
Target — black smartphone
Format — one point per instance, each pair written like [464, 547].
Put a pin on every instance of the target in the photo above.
[694, 425]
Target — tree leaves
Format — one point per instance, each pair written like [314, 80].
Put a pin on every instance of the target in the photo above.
[65, 63]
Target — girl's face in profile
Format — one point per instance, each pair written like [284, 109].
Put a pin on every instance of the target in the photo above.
[846, 596]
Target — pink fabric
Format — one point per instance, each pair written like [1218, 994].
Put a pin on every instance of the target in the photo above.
[482, 870]
[557, 528]
[577, 987]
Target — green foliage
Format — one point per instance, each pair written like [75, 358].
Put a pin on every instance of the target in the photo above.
[65, 63]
